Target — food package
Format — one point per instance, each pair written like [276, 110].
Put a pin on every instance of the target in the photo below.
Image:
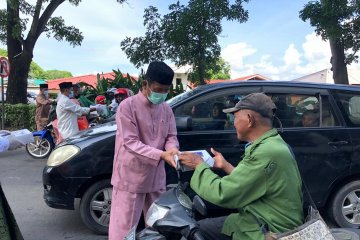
[204, 155]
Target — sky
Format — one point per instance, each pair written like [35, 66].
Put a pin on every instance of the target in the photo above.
[274, 42]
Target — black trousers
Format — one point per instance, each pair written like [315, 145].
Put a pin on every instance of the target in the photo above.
[211, 228]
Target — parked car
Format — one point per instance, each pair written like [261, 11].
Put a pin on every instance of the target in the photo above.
[327, 151]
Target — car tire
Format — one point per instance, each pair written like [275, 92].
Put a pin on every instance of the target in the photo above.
[95, 206]
[345, 206]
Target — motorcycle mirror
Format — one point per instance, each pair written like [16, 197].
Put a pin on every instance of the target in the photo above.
[199, 205]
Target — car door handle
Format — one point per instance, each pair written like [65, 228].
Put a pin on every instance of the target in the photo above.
[338, 143]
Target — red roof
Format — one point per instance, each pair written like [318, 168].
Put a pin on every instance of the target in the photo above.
[90, 79]
[251, 77]
[245, 78]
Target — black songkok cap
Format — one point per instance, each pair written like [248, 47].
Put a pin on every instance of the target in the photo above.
[44, 85]
[160, 72]
[65, 85]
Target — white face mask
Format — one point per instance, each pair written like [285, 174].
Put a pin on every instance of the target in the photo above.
[46, 93]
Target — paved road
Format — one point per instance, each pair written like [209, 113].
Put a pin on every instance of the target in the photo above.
[20, 177]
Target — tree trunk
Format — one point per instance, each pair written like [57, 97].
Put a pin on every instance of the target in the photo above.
[338, 63]
[17, 82]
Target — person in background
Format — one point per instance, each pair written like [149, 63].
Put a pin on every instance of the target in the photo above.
[218, 116]
[42, 107]
[310, 118]
[265, 185]
[67, 112]
[110, 94]
[120, 94]
[84, 101]
[145, 140]
[101, 107]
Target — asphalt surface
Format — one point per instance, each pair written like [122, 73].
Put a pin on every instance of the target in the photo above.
[21, 180]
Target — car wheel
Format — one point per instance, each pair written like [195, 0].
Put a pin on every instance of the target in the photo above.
[40, 148]
[345, 206]
[95, 206]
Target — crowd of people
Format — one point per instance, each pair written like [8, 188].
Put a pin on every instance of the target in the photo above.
[73, 108]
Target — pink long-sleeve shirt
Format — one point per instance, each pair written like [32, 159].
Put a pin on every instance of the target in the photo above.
[144, 131]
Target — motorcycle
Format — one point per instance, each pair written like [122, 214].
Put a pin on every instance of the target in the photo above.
[46, 139]
[172, 216]
[43, 143]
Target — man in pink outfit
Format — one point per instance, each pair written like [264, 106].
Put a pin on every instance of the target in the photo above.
[145, 140]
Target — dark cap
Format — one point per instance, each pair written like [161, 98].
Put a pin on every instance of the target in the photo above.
[44, 85]
[65, 85]
[160, 72]
[257, 102]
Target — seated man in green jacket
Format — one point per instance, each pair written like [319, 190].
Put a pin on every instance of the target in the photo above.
[265, 185]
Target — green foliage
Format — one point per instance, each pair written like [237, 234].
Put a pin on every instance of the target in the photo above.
[3, 52]
[104, 84]
[21, 25]
[12, 119]
[55, 74]
[175, 91]
[187, 35]
[36, 71]
[221, 70]
[336, 20]
[121, 81]
[57, 28]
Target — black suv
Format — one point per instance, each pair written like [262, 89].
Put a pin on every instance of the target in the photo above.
[321, 122]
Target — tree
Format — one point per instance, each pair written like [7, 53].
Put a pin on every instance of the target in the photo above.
[36, 72]
[221, 70]
[55, 74]
[187, 35]
[337, 21]
[20, 48]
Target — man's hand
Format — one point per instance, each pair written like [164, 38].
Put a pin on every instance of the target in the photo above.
[220, 162]
[14, 143]
[191, 160]
[168, 156]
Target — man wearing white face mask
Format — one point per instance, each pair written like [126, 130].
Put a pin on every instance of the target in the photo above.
[67, 111]
[145, 140]
[42, 107]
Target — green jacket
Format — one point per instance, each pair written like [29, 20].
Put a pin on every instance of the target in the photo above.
[266, 183]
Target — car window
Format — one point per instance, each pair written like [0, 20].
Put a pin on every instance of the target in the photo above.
[299, 110]
[206, 111]
[349, 104]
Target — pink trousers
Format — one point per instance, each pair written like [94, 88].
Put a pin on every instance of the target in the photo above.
[126, 209]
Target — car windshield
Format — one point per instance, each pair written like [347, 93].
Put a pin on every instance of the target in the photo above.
[180, 97]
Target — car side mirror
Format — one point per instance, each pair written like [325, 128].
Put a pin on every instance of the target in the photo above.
[199, 205]
[183, 123]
